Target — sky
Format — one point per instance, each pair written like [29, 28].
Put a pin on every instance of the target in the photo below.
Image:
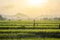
[12, 7]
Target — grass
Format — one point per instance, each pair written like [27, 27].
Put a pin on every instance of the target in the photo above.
[31, 30]
[30, 24]
[32, 39]
[29, 27]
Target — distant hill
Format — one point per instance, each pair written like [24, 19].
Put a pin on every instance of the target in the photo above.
[44, 17]
[18, 16]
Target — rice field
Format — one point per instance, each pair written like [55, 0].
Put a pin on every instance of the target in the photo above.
[30, 30]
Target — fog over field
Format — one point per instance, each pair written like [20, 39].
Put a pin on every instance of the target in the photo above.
[29, 19]
[12, 7]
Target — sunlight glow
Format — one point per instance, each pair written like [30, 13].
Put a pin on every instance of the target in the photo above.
[37, 2]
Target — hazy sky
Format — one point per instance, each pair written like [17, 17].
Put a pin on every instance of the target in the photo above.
[11, 7]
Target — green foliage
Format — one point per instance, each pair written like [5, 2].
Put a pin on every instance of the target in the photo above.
[28, 28]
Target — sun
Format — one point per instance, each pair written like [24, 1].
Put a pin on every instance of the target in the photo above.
[37, 2]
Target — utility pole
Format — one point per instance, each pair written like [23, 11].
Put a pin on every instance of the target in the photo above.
[34, 23]
[59, 26]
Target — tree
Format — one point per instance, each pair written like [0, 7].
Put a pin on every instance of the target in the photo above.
[1, 18]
